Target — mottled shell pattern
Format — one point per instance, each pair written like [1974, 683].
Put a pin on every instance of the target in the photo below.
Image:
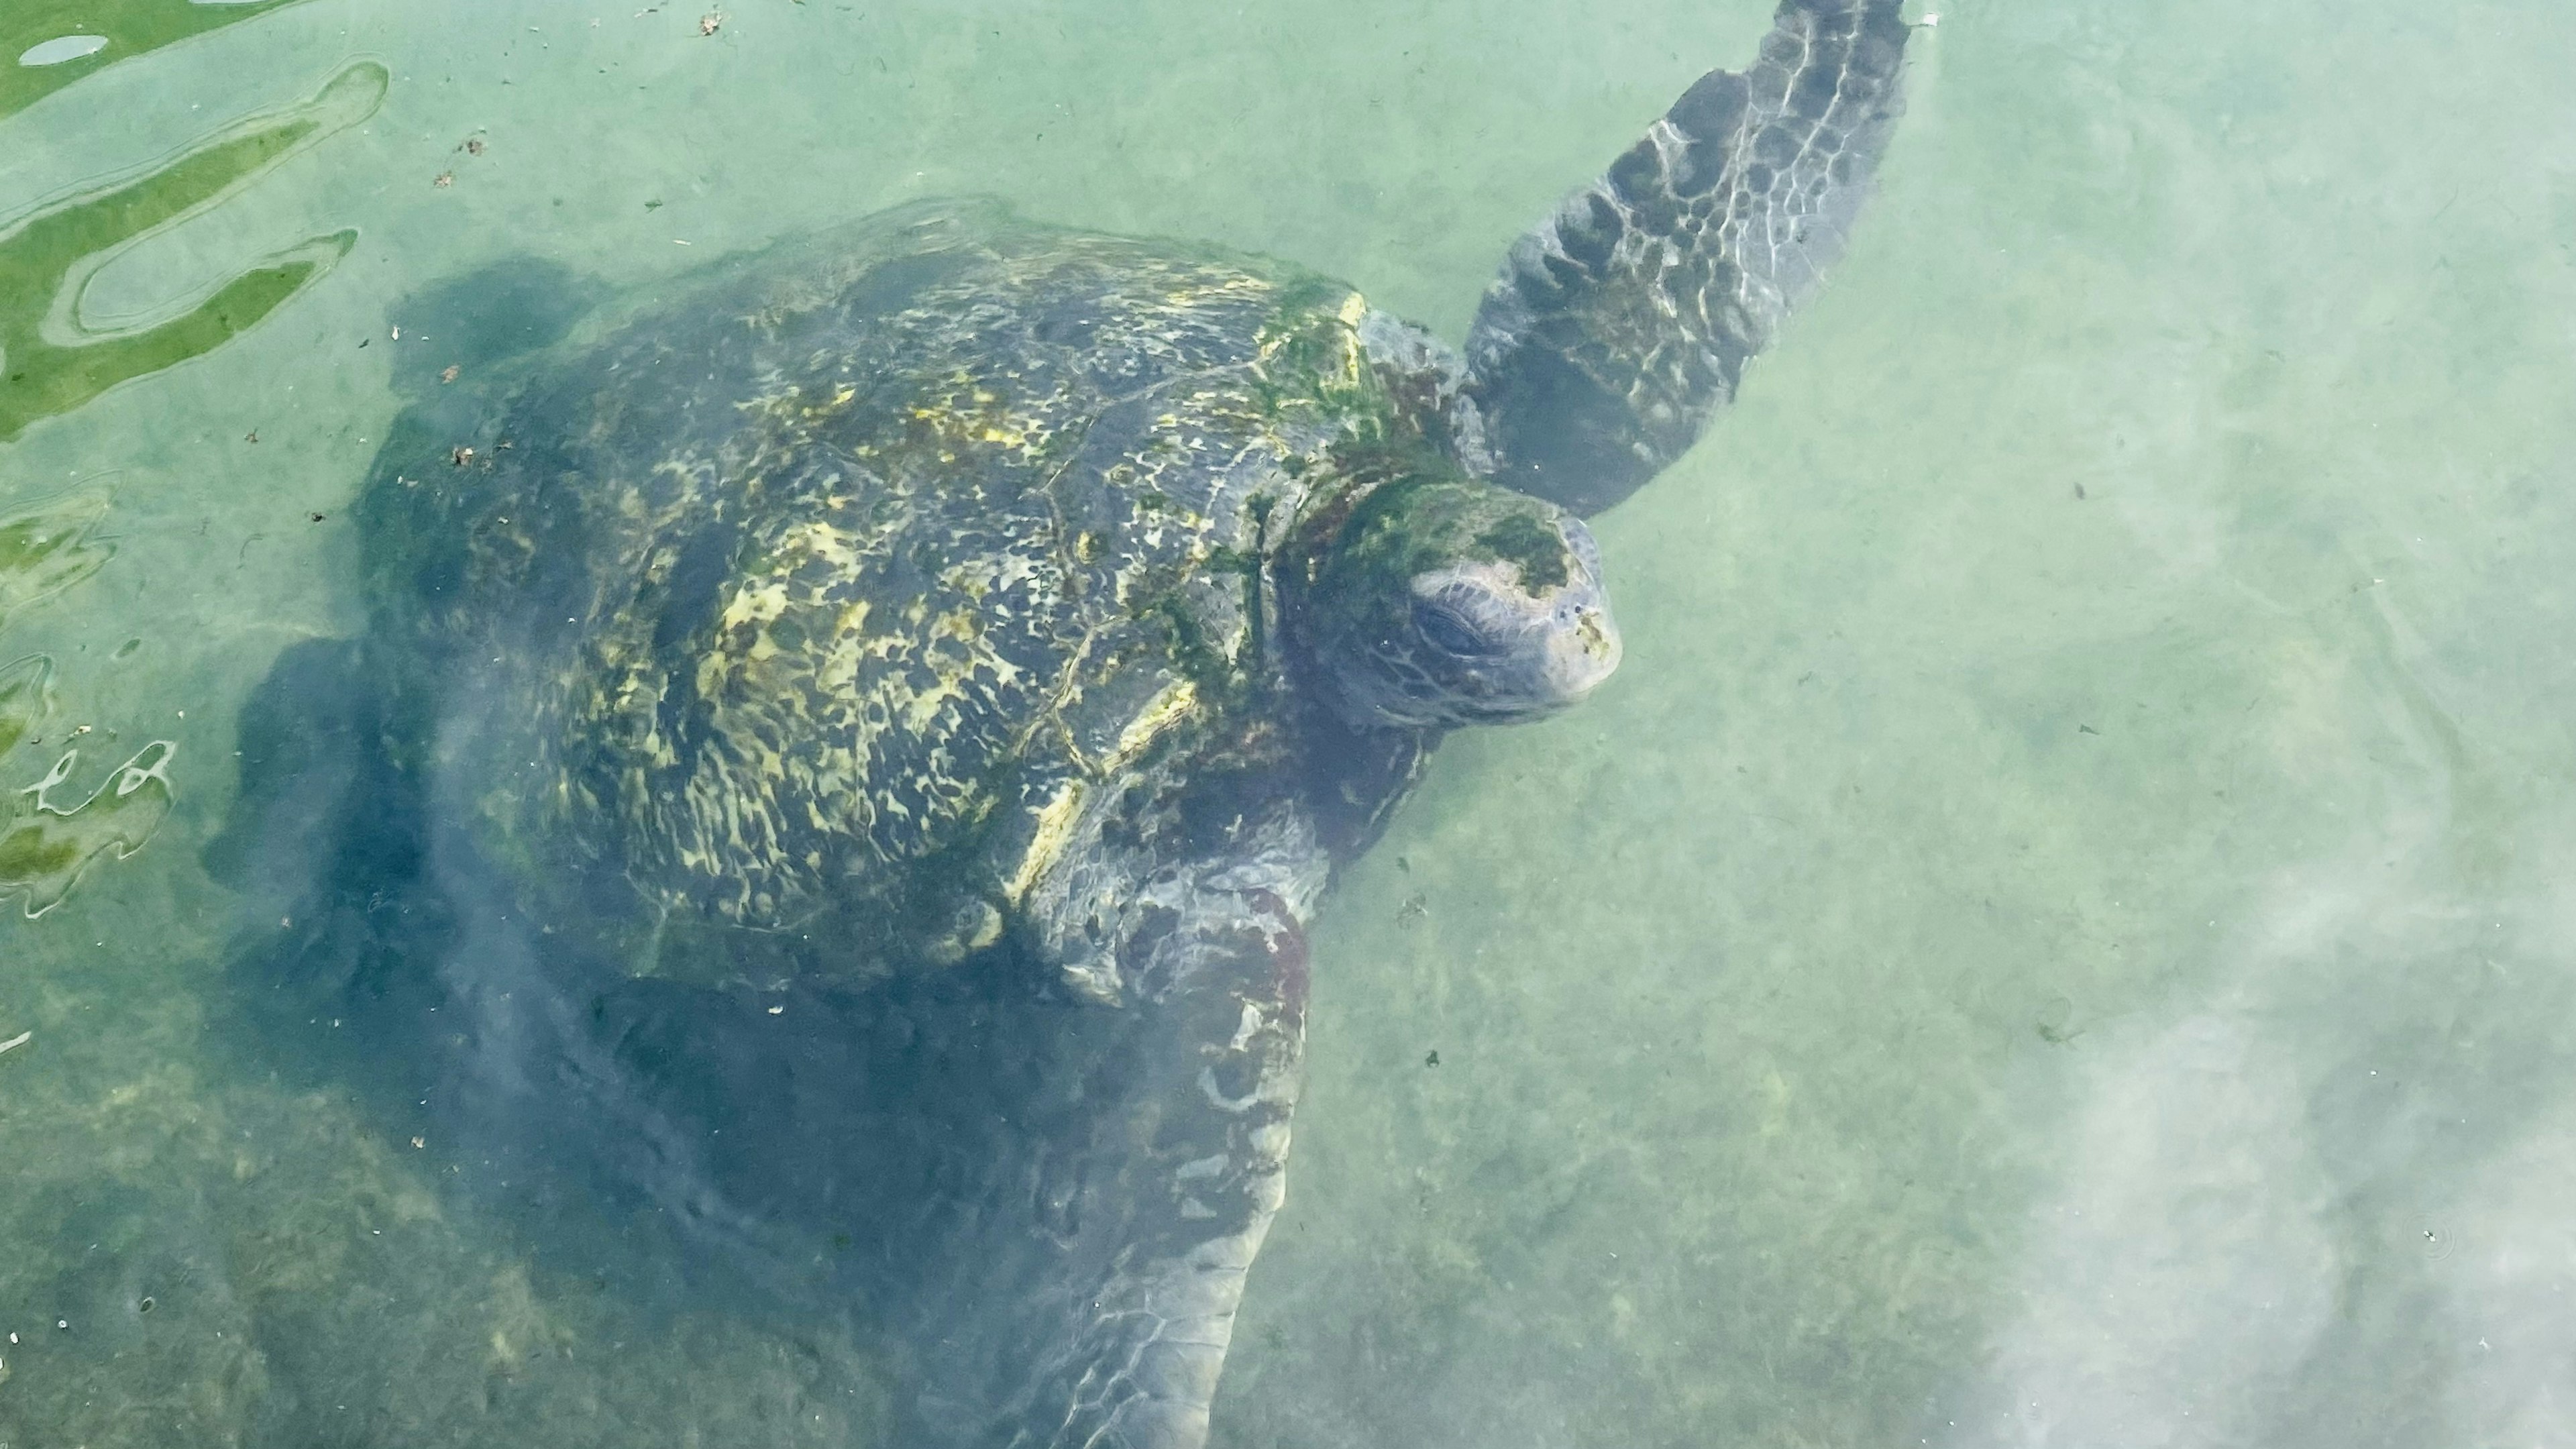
[833, 607]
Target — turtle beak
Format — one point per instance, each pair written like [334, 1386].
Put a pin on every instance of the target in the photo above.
[1583, 642]
[1582, 651]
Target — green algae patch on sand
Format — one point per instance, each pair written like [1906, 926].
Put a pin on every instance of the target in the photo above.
[44, 847]
[47, 547]
[50, 363]
[47, 44]
[26, 696]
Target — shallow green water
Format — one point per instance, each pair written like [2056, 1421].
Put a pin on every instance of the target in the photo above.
[2058, 933]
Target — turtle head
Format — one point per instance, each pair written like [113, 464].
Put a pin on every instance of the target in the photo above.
[1447, 600]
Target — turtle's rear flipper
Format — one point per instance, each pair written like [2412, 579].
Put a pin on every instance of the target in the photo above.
[1040, 1209]
[1623, 323]
[1061, 1200]
[1173, 1192]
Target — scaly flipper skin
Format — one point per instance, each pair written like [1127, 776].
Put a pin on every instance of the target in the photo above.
[1085, 1284]
[51, 362]
[1622, 324]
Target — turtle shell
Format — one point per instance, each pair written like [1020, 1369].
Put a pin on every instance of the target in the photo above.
[813, 607]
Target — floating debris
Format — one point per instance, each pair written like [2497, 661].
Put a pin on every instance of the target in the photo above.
[11, 1045]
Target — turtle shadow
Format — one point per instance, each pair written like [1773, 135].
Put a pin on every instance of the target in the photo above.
[899, 1164]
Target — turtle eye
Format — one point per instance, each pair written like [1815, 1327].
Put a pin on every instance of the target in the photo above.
[1449, 632]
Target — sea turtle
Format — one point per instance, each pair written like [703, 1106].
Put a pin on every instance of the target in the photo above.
[1004, 630]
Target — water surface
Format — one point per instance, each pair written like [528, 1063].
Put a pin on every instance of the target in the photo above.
[2058, 934]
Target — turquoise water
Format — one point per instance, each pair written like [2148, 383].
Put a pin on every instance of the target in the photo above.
[2057, 934]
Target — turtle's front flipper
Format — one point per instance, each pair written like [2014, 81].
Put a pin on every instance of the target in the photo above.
[1623, 323]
